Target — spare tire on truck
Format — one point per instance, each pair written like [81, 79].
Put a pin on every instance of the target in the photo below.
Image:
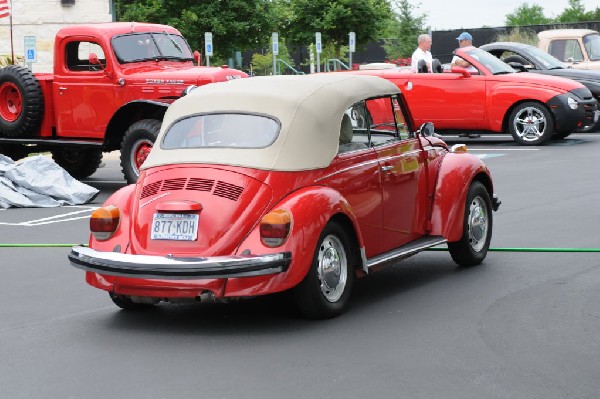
[21, 102]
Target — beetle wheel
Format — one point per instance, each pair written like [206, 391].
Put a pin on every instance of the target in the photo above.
[473, 246]
[325, 290]
[125, 302]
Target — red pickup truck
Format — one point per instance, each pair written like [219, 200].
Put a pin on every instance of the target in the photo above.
[110, 88]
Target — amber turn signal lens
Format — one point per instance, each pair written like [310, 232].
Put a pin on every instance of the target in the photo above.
[275, 227]
[104, 222]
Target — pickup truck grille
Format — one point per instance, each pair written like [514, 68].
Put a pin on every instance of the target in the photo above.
[218, 188]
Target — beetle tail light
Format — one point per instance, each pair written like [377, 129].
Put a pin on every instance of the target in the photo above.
[104, 222]
[275, 227]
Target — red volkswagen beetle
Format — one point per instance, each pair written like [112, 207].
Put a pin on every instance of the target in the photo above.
[298, 183]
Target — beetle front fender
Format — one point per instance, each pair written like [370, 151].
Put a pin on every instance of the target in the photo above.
[456, 174]
[311, 208]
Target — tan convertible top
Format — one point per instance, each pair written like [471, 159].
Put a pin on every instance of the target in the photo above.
[309, 108]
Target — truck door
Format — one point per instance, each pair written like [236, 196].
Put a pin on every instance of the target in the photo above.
[83, 93]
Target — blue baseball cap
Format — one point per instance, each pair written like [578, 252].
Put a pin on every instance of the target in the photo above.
[464, 36]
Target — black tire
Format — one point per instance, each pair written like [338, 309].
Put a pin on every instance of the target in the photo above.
[473, 246]
[78, 162]
[21, 102]
[125, 303]
[531, 123]
[136, 145]
[14, 151]
[332, 267]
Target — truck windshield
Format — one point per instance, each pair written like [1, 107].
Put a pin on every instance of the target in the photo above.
[592, 46]
[158, 46]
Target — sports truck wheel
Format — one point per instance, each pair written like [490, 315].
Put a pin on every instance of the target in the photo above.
[80, 163]
[531, 123]
[473, 246]
[136, 146]
[325, 290]
[21, 101]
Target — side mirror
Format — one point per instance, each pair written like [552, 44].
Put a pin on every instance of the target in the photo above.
[94, 60]
[461, 70]
[197, 57]
[427, 129]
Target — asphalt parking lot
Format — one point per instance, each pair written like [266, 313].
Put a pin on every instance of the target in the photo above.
[521, 325]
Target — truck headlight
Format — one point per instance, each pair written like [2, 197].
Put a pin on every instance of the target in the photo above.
[572, 103]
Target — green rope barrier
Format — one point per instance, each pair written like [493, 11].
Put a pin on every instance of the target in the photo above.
[505, 249]
[517, 249]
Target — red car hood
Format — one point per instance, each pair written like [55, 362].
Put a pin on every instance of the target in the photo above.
[541, 80]
[177, 73]
[231, 204]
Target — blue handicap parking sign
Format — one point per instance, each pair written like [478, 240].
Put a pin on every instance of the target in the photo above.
[30, 54]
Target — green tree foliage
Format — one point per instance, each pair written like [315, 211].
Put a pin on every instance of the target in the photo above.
[403, 30]
[575, 12]
[262, 64]
[527, 14]
[235, 24]
[334, 19]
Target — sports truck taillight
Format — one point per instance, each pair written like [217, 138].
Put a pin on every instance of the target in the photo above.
[275, 227]
[104, 222]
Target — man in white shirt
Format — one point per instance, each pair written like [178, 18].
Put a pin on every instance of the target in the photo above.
[422, 53]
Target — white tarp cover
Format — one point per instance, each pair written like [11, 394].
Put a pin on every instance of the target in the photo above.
[38, 181]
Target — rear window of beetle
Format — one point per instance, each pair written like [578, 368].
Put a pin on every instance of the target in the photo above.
[222, 130]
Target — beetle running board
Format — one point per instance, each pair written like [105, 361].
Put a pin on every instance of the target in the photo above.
[403, 252]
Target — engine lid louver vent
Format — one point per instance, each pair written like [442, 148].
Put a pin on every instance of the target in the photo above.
[221, 189]
[227, 190]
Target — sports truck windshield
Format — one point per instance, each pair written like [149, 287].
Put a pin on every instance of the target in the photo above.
[493, 64]
[136, 47]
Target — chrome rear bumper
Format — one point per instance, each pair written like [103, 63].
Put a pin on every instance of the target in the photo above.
[159, 267]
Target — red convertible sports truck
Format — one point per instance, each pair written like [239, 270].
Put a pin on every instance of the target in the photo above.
[110, 88]
[494, 98]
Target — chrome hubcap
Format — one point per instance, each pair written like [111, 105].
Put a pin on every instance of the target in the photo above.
[530, 124]
[332, 268]
[478, 224]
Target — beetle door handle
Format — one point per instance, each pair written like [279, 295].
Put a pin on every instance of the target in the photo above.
[387, 168]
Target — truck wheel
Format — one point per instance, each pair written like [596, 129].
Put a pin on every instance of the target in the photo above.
[80, 163]
[325, 290]
[473, 246]
[14, 151]
[531, 123]
[21, 101]
[136, 146]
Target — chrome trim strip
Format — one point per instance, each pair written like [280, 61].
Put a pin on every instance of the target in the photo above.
[358, 165]
[403, 252]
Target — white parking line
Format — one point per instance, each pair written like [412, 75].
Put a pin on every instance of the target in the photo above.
[56, 218]
[503, 149]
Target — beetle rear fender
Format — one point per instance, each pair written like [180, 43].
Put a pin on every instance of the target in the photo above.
[128, 114]
[456, 174]
[311, 208]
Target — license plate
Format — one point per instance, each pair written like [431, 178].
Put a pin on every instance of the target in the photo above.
[174, 226]
[596, 115]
